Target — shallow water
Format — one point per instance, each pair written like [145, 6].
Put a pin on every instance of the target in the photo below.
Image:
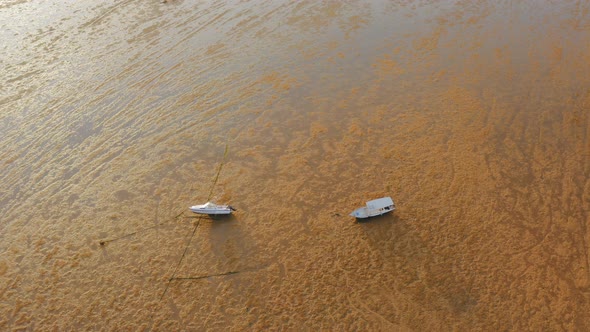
[474, 117]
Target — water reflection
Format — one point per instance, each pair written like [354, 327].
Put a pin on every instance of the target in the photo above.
[473, 116]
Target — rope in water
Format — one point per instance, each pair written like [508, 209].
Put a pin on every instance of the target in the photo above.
[197, 224]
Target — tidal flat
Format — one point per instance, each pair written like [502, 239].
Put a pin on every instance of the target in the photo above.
[115, 117]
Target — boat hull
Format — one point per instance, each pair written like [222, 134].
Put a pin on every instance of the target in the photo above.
[211, 209]
[374, 208]
[362, 213]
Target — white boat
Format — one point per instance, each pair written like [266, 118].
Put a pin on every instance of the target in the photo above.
[375, 207]
[211, 209]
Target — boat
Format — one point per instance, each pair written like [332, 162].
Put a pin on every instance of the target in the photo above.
[374, 208]
[212, 209]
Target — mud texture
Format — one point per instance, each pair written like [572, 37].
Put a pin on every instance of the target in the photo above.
[473, 115]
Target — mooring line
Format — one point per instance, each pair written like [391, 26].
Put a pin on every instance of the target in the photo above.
[181, 258]
[197, 225]
[246, 269]
[103, 242]
[207, 276]
[218, 172]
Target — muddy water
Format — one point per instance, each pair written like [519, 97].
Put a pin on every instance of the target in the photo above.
[474, 117]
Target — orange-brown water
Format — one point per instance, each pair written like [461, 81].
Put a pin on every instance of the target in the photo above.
[473, 115]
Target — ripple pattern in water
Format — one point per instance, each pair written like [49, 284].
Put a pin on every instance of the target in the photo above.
[473, 116]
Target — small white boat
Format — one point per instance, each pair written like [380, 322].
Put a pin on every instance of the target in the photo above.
[212, 209]
[375, 207]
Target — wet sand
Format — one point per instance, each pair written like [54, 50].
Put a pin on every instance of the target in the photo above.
[474, 117]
